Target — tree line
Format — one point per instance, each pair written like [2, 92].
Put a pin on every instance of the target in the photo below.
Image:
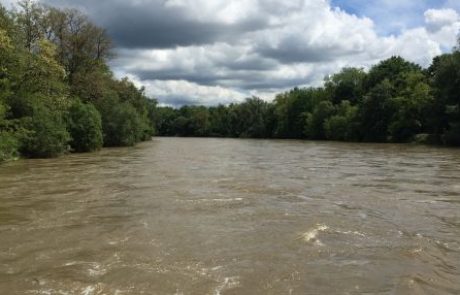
[57, 93]
[394, 101]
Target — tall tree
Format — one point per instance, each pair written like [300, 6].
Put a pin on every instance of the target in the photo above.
[30, 20]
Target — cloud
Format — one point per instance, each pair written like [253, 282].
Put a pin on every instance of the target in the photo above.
[211, 51]
[316, 34]
[169, 23]
[437, 19]
[180, 92]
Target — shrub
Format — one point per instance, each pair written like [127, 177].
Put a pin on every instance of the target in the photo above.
[85, 127]
[46, 134]
[122, 126]
[8, 146]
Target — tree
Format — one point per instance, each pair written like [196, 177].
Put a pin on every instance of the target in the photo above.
[410, 108]
[446, 81]
[48, 55]
[374, 113]
[122, 126]
[180, 126]
[348, 85]
[163, 120]
[82, 46]
[30, 20]
[291, 109]
[390, 69]
[129, 93]
[219, 121]
[85, 127]
[315, 122]
[9, 144]
[46, 134]
[253, 118]
[343, 125]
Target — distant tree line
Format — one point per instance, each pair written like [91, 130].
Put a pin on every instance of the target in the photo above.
[57, 93]
[395, 101]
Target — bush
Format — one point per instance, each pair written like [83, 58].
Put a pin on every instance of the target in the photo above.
[122, 126]
[8, 146]
[46, 134]
[85, 127]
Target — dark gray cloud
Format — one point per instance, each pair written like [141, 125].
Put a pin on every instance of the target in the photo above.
[273, 85]
[291, 53]
[147, 32]
[199, 77]
[177, 101]
[244, 80]
[153, 24]
[255, 63]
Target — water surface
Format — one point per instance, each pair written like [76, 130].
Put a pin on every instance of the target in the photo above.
[223, 216]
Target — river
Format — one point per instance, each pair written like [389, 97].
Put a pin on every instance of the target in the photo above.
[227, 216]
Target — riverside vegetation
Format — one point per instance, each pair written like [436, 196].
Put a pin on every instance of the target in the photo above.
[58, 95]
[395, 101]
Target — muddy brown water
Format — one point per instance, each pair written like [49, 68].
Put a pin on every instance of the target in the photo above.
[225, 216]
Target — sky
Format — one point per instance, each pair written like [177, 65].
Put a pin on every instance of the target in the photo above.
[222, 51]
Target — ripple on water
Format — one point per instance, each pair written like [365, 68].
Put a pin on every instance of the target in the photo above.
[211, 216]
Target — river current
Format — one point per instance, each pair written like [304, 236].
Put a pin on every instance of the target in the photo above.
[227, 216]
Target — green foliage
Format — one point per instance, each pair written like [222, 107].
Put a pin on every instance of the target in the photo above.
[410, 108]
[163, 119]
[8, 142]
[315, 122]
[346, 85]
[85, 127]
[9, 146]
[446, 108]
[192, 121]
[390, 69]
[291, 109]
[374, 113]
[253, 116]
[48, 55]
[219, 121]
[181, 127]
[343, 125]
[122, 126]
[396, 101]
[46, 134]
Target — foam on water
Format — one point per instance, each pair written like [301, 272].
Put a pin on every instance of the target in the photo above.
[96, 270]
[349, 232]
[88, 290]
[228, 200]
[311, 236]
[223, 200]
[228, 283]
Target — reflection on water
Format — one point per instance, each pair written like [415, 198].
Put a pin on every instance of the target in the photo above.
[222, 216]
